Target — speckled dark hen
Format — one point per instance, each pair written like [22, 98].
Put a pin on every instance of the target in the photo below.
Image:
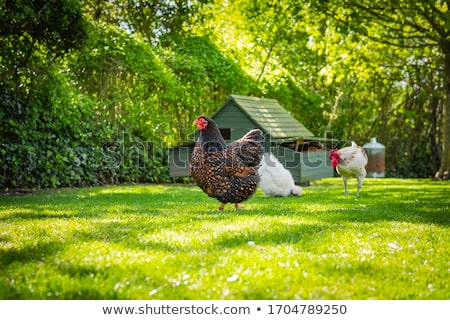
[227, 172]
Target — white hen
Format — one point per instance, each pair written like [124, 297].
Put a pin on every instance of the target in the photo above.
[275, 179]
[350, 162]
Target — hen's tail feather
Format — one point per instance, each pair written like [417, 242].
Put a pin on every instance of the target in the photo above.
[296, 191]
[248, 149]
[254, 135]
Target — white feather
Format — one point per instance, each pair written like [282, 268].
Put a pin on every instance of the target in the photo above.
[275, 179]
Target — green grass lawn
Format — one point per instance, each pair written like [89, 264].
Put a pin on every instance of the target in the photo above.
[171, 242]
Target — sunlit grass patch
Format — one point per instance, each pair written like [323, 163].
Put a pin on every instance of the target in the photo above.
[171, 242]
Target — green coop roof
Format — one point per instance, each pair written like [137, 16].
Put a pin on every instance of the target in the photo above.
[270, 117]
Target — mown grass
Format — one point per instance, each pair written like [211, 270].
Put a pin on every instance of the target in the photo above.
[170, 242]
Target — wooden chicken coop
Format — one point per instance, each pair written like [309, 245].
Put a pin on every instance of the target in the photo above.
[295, 146]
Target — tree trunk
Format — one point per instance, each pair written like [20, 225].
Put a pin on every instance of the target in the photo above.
[443, 173]
[435, 140]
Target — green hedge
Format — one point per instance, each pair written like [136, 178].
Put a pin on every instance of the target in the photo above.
[53, 161]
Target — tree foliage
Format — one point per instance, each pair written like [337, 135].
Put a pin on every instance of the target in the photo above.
[422, 30]
[94, 92]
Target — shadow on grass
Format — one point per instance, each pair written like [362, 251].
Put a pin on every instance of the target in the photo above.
[427, 205]
[87, 204]
[206, 232]
[39, 214]
[281, 234]
[39, 251]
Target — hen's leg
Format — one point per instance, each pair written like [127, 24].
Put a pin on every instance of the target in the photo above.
[238, 206]
[345, 185]
[360, 183]
[221, 207]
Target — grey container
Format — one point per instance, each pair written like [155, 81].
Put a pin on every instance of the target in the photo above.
[376, 154]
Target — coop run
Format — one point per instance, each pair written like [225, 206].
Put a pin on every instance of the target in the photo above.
[302, 153]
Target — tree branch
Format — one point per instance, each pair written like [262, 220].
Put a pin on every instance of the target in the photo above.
[396, 44]
[390, 24]
[431, 20]
[266, 60]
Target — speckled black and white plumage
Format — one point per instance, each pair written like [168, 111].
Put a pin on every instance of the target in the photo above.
[226, 172]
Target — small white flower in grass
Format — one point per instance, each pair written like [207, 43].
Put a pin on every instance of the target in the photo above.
[118, 285]
[233, 278]
[186, 276]
[394, 245]
[251, 243]
[155, 291]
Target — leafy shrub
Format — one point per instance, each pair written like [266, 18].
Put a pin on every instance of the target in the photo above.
[56, 141]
